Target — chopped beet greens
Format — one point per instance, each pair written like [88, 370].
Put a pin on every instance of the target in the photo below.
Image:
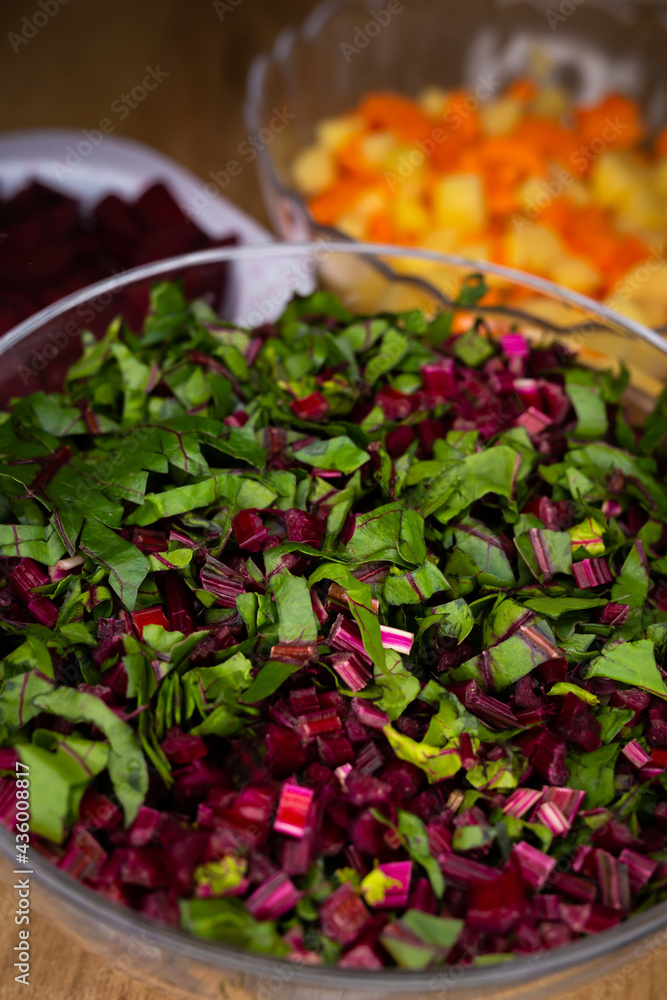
[341, 638]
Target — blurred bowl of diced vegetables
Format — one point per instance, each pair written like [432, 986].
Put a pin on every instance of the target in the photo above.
[529, 134]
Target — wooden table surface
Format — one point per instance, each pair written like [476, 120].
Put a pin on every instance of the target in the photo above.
[88, 54]
[93, 51]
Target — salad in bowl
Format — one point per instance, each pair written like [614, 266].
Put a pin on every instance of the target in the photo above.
[340, 638]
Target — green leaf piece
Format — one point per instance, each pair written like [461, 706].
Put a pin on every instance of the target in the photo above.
[339, 453]
[127, 767]
[631, 663]
[436, 762]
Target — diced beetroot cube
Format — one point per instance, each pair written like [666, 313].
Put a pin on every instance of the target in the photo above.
[183, 748]
[157, 208]
[115, 216]
[344, 915]
[168, 242]
[40, 263]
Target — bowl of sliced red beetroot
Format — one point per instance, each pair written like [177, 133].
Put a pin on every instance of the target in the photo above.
[333, 639]
[53, 245]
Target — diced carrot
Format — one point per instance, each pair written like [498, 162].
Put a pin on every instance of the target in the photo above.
[399, 114]
[446, 155]
[327, 207]
[502, 199]
[470, 161]
[382, 230]
[561, 215]
[661, 143]
[510, 166]
[350, 157]
[552, 140]
[522, 90]
[462, 116]
[523, 159]
[629, 252]
[495, 297]
[462, 321]
[614, 123]
[593, 237]
[505, 164]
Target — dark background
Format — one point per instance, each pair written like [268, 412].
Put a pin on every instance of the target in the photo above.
[92, 51]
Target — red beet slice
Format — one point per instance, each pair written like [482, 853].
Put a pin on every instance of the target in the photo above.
[31, 267]
[168, 242]
[157, 208]
[115, 217]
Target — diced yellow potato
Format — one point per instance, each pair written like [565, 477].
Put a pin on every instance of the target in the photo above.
[352, 224]
[656, 238]
[332, 133]
[358, 282]
[433, 101]
[313, 170]
[411, 187]
[656, 287]
[410, 215]
[405, 172]
[533, 195]
[377, 147]
[459, 202]
[441, 276]
[647, 283]
[639, 311]
[425, 269]
[370, 203]
[554, 311]
[576, 273]
[551, 102]
[475, 251]
[660, 178]
[533, 247]
[615, 177]
[540, 63]
[537, 193]
[444, 240]
[500, 117]
[401, 296]
[447, 280]
[578, 193]
[642, 211]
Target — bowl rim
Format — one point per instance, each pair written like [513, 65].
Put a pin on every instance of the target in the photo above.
[443, 981]
[447, 980]
[600, 315]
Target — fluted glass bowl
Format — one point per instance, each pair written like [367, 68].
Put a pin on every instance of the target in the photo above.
[342, 52]
[258, 281]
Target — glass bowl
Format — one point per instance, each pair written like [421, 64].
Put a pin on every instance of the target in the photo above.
[342, 51]
[257, 283]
